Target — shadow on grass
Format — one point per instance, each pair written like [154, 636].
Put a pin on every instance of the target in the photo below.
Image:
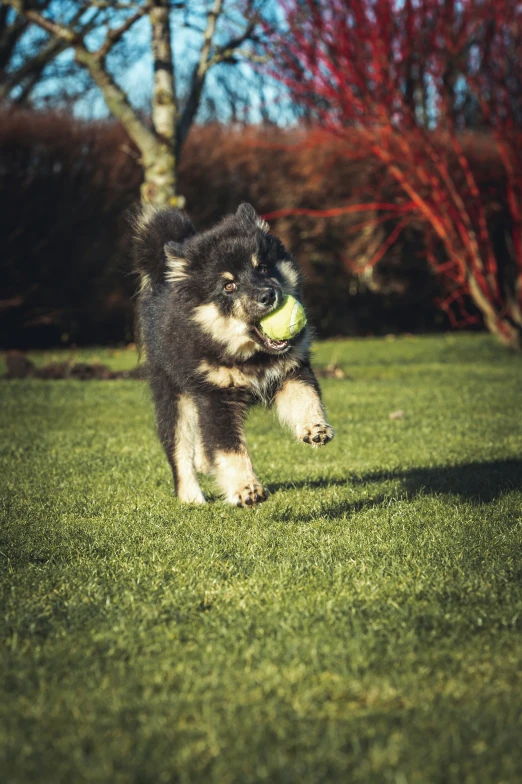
[476, 481]
[336, 509]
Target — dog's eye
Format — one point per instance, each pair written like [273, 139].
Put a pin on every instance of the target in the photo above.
[263, 269]
[231, 287]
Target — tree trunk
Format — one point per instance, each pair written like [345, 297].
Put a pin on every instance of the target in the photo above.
[156, 145]
[160, 162]
[160, 179]
[506, 326]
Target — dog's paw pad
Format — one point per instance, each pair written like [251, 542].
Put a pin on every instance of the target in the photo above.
[317, 435]
[250, 495]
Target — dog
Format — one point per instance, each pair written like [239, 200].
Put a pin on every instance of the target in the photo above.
[200, 301]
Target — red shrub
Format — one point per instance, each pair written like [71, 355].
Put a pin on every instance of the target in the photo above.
[397, 71]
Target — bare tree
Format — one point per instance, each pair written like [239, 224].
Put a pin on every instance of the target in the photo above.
[159, 141]
[21, 71]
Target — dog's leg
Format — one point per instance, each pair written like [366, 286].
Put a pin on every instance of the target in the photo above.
[200, 458]
[299, 406]
[221, 420]
[236, 479]
[177, 421]
[185, 442]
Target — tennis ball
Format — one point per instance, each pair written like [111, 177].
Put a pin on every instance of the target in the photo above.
[285, 322]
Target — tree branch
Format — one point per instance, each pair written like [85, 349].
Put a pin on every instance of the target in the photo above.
[223, 53]
[31, 69]
[208, 36]
[10, 34]
[113, 6]
[57, 29]
[234, 55]
[116, 99]
[197, 80]
[115, 35]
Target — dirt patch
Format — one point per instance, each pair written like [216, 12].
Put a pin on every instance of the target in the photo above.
[19, 366]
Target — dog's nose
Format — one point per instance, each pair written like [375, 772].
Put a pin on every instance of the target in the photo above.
[267, 297]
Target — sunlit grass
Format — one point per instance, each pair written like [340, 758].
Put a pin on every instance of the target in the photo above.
[363, 625]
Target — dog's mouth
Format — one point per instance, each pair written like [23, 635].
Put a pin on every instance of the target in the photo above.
[269, 344]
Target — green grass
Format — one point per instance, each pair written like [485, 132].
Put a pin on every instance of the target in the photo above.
[362, 626]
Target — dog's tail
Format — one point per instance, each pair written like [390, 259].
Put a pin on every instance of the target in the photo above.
[153, 229]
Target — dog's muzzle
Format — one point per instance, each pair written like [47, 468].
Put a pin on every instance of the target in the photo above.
[269, 344]
[266, 298]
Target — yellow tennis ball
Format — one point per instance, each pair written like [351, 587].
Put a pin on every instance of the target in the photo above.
[286, 322]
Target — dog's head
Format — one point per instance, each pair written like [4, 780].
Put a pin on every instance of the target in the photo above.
[235, 273]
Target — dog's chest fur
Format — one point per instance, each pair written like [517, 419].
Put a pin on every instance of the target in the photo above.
[260, 378]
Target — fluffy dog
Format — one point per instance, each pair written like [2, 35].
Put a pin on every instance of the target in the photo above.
[200, 301]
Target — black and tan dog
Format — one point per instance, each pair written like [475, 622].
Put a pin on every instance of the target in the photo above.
[201, 298]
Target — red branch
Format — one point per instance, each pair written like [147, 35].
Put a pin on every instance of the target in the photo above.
[408, 76]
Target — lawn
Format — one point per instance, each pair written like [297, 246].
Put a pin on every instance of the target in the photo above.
[364, 625]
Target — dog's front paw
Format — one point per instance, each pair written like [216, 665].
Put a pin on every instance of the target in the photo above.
[249, 495]
[317, 435]
[192, 496]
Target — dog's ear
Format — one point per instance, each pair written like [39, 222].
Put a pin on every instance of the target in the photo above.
[247, 214]
[176, 263]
